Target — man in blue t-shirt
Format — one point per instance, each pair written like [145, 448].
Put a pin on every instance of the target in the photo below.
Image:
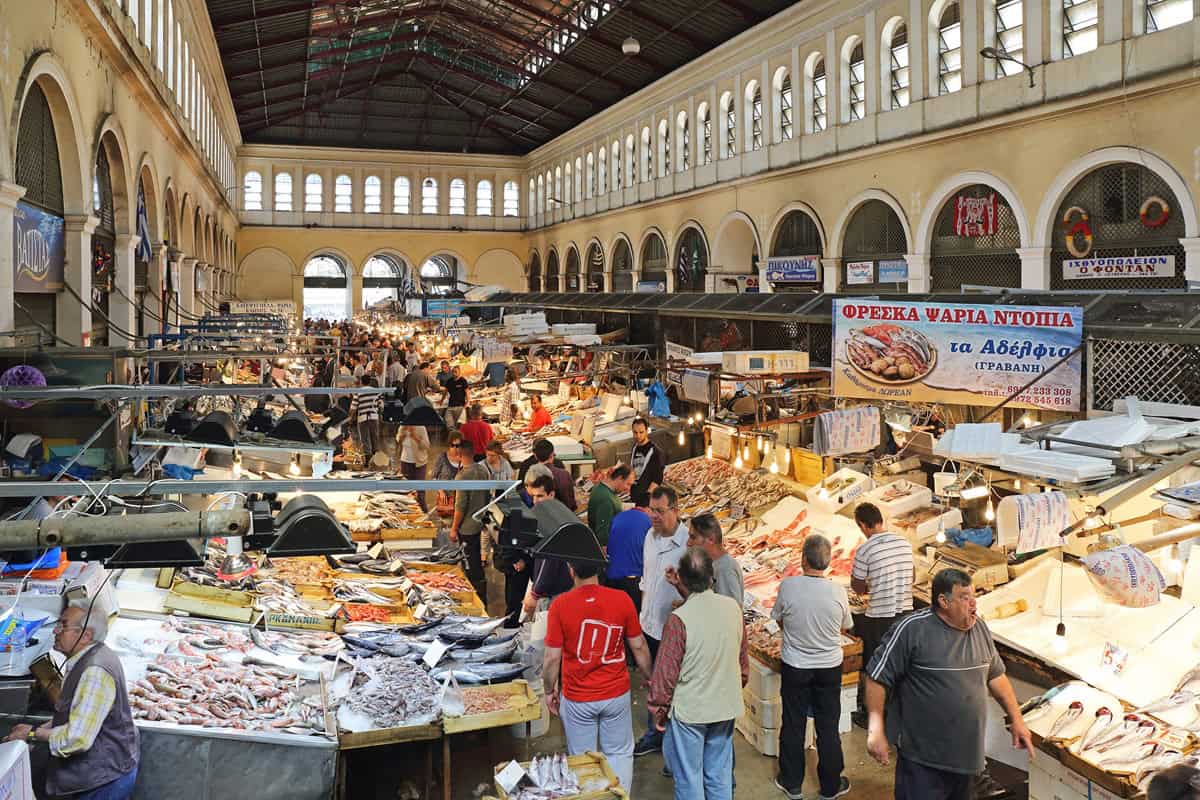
[626, 537]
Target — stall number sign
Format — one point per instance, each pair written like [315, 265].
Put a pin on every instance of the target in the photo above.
[1114, 658]
[798, 269]
[1119, 267]
[893, 271]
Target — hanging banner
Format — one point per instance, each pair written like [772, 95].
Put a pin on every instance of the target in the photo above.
[975, 216]
[860, 272]
[283, 308]
[957, 353]
[443, 308]
[788, 269]
[39, 250]
[677, 352]
[1119, 267]
[893, 271]
[651, 287]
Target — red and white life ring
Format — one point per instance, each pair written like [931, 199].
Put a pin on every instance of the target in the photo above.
[1082, 227]
[1163, 216]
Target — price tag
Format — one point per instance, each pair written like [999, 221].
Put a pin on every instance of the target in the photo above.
[435, 652]
[737, 512]
[771, 627]
[510, 776]
[420, 612]
[1114, 658]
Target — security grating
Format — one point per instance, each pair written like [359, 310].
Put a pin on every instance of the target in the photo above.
[38, 169]
[874, 234]
[1113, 198]
[102, 196]
[989, 260]
[1160, 372]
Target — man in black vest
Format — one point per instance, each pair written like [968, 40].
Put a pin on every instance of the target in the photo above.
[93, 742]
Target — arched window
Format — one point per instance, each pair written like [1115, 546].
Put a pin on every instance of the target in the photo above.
[571, 276]
[728, 126]
[647, 155]
[782, 105]
[975, 241]
[856, 81]
[754, 116]
[326, 293]
[384, 278]
[706, 148]
[797, 237]
[602, 171]
[372, 195]
[873, 250]
[567, 184]
[342, 188]
[1163, 14]
[313, 193]
[531, 201]
[949, 50]
[896, 76]
[541, 195]
[429, 196]
[653, 262]
[578, 194]
[551, 282]
[664, 148]
[630, 161]
[589, 180]
[615, 166]
[1114, 198]
[401, 196]
[1080, 26]
[252, 191]
[817, 118]
[283, 191]
[622, 267]
[558, 187]
[512, 199]
[683, 158]
[483, 198]
[1008, 36]
[458, 196]
[439, 275]
[103, 241]
[691, 262]
[595, 270]
[535, 273]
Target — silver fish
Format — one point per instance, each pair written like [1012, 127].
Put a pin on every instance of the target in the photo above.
[1144, 730]
[1127, 759]
[1167, 703]
[1192, 676]
[1104, 718]
[1116, 733]
[1148, 770]
[1065, 719]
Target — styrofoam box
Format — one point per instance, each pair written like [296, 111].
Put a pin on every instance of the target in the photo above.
[920, 496]
[764, 682]
[764, 740]
[838, 500]
[927, 530]
[849, 702]
[764, 713]
[748, 362]
[791, 361]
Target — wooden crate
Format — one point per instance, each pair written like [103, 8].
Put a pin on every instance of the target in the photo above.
[208, 601]
[524, 706]
[382, 736]
[587, 766]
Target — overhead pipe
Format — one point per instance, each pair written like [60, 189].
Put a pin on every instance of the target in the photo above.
[115, 530]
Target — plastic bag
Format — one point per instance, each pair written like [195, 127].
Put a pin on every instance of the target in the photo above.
[451, 697]
[1126, 576]
[660, 406]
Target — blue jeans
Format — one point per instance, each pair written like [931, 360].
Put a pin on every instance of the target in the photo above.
[701, 759]
[118, 789]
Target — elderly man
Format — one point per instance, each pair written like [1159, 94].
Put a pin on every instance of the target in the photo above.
[704, 532]
[93, 742]
[701, 667]
[660, 552]
[812, 612]
[939, 665]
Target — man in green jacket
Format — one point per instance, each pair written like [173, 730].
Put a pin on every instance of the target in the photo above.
[604, 502]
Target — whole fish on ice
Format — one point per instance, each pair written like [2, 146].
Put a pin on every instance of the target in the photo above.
[1104, 719]
[1065, 719]
[1167, 703]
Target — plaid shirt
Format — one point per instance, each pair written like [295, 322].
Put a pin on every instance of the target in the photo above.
[94, 697]
[669, 661]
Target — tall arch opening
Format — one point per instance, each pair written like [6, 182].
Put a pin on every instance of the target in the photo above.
[691, 262]
[535, 273]
[326, 288]
[439, 274]
[385, 280]
[653, 275]
[551, 282]
[622, 269]
[975, 241]
[795, 261]
[873, 251]
[571, 276]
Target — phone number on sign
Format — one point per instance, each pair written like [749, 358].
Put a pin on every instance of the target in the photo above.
[1037, 395]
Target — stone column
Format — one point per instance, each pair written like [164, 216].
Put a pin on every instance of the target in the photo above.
[187, 289]
[1035, 267]
[10, 193]
[831, 273]
[74, 319]
[1191, 250]
[918, 273]
[356, 292]
[155, 278]
[121, 311]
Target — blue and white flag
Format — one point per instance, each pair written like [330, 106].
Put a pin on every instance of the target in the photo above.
[143, 228]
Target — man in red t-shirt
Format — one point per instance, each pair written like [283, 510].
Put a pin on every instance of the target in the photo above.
[476, 431]
[586, 635]
[540, 417]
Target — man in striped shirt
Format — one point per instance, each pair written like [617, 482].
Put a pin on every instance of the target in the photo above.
[883, 570]
[365, 410]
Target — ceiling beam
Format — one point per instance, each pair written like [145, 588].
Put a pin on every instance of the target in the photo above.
[282, 11]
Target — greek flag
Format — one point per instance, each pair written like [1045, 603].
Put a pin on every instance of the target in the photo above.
[143, 228]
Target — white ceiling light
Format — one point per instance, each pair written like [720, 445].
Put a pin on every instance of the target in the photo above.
[631, 46]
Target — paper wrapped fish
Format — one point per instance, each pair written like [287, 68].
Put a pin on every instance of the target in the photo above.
[1126, 576]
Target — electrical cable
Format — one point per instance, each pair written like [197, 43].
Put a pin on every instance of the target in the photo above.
[104, 316]
[44, 329]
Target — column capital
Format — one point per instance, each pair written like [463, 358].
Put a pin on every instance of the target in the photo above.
[10, 193]
[1191, 250]
[918, 273]
[188, 261]
[80, 223]
[130, 240]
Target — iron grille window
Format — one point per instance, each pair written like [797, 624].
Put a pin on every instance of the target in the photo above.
[797, 236]
[283, 191]
[785, 108]
[372, 195]
[874, 233]
[989, 260]
[756, 121]
[1163, 14]
[312, 193]
[342, 188]
[1009, 36]
[602, 172]
[535, 274]
[102, 196]
[899, 67]
[571, 282]
[616, 167]
[858, 81]
[1080, 19]
[458, 196]
[38, 169]
[483, 199]
[429, 196]
[685, 145]
[819, 119]
[654, 261]
[512, 201]
[401, 200]
[647, 156]
[252, 191]
[630, 161]
[691, 263]
[706, 123]
[578, 180]
[730, 130]
[551, 282]
[622, 268]
[589, 181]
[949, 48]
[595, 269]
[664, 164]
